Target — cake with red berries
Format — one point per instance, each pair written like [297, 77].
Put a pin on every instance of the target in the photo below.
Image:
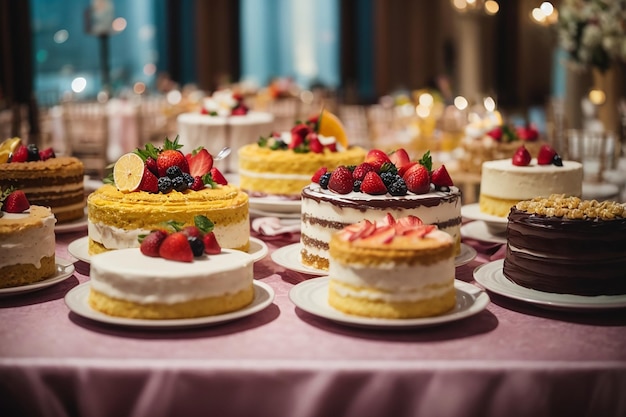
[381, 184]
[155, 185]
[223, 121]
[281, 164]
[27, 241]
[55, 182]
[506, 181]
[562, 244]
[394, 268]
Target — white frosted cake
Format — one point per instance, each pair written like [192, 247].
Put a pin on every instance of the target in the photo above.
[127, 283]
[325, 212]
[504, 184]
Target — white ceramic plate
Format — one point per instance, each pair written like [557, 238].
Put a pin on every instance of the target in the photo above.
[77, 301]
[289, 257]
[312, 296]
[73, 226]
[492, 278]
[478, 230]
[64, 269]
[495, 224]
[275, 204]
[79, 249]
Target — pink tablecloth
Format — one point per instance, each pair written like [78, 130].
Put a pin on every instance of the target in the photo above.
[512, 359]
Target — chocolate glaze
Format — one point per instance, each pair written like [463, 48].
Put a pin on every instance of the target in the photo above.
[585, 257]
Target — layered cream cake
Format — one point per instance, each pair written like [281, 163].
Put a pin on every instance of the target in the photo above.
[126, 283]
[503, 184]
[116, 219]
[392, 268]
[56, 183]
[325, 212]
[27, 244]
[567, 245]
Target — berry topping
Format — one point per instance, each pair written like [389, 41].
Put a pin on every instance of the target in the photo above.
[211, 246]
[373, 184]
[47, 154]
[33, 152]
[398, 187]
[200, 162]
[192, 231]
[521, 157]
[169, 158]
[324, 180]
[556, 160]
[15, 202]
[151, 243]
[546, 155]
[341, 180]
[165, 185]
[382, 235]
[179, 184]
[20, 154]
[385, 230]
[361, 170]
[400, 158]
[152, 165]
[149, 181]
[173, 171]
[176, 247]
[316, 177]
[528, 133]
[376, 158]
[495, 133]
[314, 143]
[218, 177]
[417, 179]
[196, 244]
[197, 184]
[441, 178]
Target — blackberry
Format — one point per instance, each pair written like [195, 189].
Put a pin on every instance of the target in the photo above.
[165, 185]
[389, 178]
[173, 171]
[356, 187]
[197, 246]
[397, 188]
[179, 183]
[33, 152]
[188, 179]
[324, 180]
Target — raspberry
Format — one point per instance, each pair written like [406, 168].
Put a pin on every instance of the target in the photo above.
[165, 185]
[198, 184]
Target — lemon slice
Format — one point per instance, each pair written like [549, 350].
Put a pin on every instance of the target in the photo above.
[330, 125]
[4, 156]
[10, 144]
[127, 172]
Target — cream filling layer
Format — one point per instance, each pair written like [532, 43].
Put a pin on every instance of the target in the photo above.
[394, 283]
[29, 246]
[232, 236]
[129, 275]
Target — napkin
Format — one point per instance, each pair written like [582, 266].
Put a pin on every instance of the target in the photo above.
[273, 226]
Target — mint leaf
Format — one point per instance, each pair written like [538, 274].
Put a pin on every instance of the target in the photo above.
[203, 223]
[427, 161]
[207, 179]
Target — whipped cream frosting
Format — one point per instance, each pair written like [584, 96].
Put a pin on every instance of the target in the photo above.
[27, 246]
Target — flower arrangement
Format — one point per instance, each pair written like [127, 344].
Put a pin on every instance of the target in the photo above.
[593, 31]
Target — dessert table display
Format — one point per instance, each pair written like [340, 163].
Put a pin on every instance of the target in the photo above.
[510, 355]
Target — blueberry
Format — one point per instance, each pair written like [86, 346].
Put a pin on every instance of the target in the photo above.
[324, 180]
[197, 246]
[165, 185]
[33, 153]
[173, 171]
[356, 187]
[556, 160]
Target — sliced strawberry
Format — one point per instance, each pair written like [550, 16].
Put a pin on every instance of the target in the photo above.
[421, 231]
[381, 235]
[341, 180]
[211, 245]
[546, 155]
[20, 154]
[406, 167]
[373, 184]
[171, 157]
[149, 181]
[218, 177]
[316, 177]
[417, 179]
[441, 178]
[389, 220]
[407, 224]
[521, 157]
[377, 158]
[16, 202]
[175, 247]
[400, 158]
[314, 143]
[200, 162]
[150, 244]
[364, 229]
[46, 154]
[361, 170]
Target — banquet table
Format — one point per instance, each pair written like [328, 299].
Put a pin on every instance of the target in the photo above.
[512, 358]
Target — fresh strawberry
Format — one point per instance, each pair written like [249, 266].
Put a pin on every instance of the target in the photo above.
[152, 165]
[171, 157]
[296, 140]
[422, 231]
[240, 110]
[151, 243]
[46, 154]
[200, 162]
[316, 177]
[198, 184]
[218, 177]
[495, 134]
[332, 147]
[400, 158]
[301, 130]
[376, 158]
[20, 154]
[417, 179]
[405, 168]
[211, 245]
[384, 234]
[314, 143]
[149, 182]
[441, 178]
[361, 170]
[192, 231]
[175, 247]
[373, 184]
[521, 157]
[341, 180]
[528, 133]
[546, 155]
[16, 202]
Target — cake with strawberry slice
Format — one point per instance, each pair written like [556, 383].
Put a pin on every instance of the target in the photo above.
[281, 164]
[393, 268]
[154, 185]
[47, 180]
[177, 272]
[27, 241]
[506, 181]
[381, 184]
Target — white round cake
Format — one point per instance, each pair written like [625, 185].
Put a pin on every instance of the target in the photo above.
[216, 132]
[127, 283]
[503, 184]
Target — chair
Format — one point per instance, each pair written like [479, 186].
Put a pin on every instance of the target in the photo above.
[152, 121]
[86, 126]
